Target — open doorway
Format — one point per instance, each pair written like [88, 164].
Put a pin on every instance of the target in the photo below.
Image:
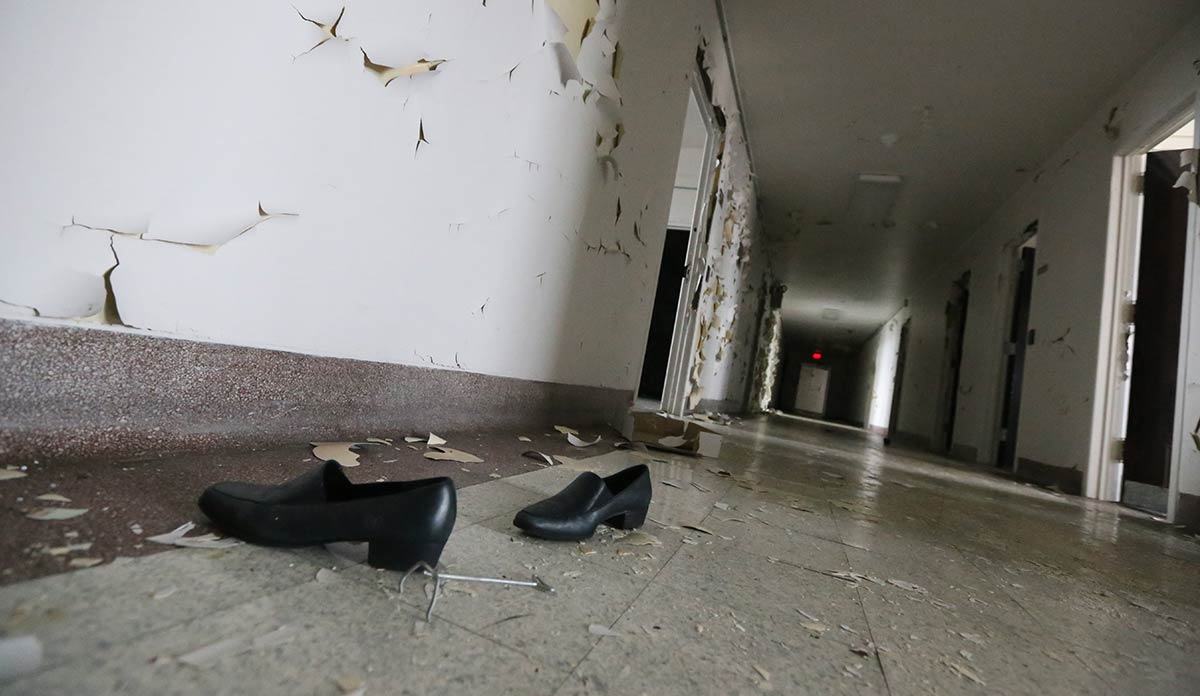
[670, 338]
[1156, 322]
[956, 326]
[662, 317]
[1014, 350]
[1140, 441]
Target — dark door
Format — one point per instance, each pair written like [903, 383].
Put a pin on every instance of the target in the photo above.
[1010, 410]
[1152, 385]
[956, 326]
[662, 316]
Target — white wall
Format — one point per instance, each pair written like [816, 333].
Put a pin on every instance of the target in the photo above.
[494, 247]
[1069, 195]
[877, 373]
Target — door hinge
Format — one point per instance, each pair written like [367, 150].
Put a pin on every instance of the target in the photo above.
[1010, 349]
[1138, 185]
[1129, 313]
[1118, 450]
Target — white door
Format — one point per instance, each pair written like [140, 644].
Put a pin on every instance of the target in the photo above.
[810, 389]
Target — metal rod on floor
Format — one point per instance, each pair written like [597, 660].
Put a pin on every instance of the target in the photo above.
[440, 578]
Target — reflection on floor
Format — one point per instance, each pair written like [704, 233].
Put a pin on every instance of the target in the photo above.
[802, 561]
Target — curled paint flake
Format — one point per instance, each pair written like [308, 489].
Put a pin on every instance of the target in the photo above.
[387, 73]
[328, 31]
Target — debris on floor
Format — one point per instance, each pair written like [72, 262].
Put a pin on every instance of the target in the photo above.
[640, 538]
[55, 514]
[541, 457]
[344, 453]
[68, 548]
[82, 562]
[450, 454]
[8, 474]
[177, 537]
[579, 442]
[905, 585]
[53, 498]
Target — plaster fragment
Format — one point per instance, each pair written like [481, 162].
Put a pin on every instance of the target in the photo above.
[55, 514]
[579, 442]
[540, 457]
[341, 452]
[451, 455]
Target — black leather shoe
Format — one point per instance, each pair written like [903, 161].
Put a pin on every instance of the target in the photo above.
[403, 522]
[620, 500]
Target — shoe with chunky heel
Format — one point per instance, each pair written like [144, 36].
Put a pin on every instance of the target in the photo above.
[620, 501]
[403, 522]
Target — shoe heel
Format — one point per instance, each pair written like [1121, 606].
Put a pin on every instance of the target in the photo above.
[403, 556]
[628, 520]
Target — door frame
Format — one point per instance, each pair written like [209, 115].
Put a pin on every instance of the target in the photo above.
[1105, 468]
[683, 337]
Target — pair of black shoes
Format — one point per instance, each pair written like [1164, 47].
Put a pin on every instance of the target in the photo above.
[408, 522]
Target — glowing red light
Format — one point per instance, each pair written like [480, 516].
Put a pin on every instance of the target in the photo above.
[817, 356]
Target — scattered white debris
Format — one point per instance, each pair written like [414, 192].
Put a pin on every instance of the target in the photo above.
[495, 476]
[164, 592]
[674, 441]
[341, 452]
[965, 672]
[81, 562]
[136, 528]
[602, 630]
[413, 438]
[541, 457]
[522, 438]
[326, 575]
[52, 514]
[434, 440]
[671, 484]
[700, 488]
[762, 672]
[53, 498]
[905, 585]
[847, 629]
[690, 541]
[19, 655]
[721, 506]
[69, 548]
[640, 538]
[572, 573]
[176, 537]
[451, 455]
[565, 430]
[694, 528]
[815, 626]
[975, 638]
[579, 442]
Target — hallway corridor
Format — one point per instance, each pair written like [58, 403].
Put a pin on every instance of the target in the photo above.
[804, 560]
